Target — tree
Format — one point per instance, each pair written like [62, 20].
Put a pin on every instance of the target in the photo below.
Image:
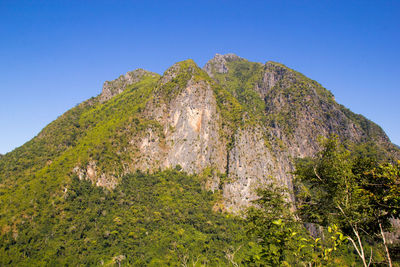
[381, 186]
[270, 222]
[353, 192]
[280, 238]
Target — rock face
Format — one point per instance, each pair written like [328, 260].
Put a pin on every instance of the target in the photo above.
[274, 73]
[189, 133]
[239, 123]
[192, 135]
[251, 165]
[219, 64]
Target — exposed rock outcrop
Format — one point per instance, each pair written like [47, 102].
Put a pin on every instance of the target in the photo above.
[190, 132]
[190, 129]
[117, 86]
[219, 63]
[243, 123]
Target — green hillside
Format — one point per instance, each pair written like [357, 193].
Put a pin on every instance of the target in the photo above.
[73, 195]
[148, 219]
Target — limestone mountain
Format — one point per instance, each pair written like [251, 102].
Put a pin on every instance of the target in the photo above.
[241, 121]
[236, 124]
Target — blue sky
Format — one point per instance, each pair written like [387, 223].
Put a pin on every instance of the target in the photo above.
[56, 54]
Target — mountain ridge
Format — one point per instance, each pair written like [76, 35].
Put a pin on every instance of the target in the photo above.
[231, 106]
[219, 133]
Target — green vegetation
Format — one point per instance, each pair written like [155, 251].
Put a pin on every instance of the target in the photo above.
[292, 97]
[240, 81]
[167, 218]
[282, 240]
[181, 73]
[35, 175]
[350, 196]
[49, 216]
[372, 130]
[355, 192]
[159, 219]
[51, 142]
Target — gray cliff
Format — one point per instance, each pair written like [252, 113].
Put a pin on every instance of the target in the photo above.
[191, 130]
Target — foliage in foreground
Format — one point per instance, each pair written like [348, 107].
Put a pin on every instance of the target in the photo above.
[282, 240]
[149, 219]
[349, 197]
[354, 191]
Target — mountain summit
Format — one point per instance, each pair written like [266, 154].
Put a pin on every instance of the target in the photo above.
[241, 121]
[236, 124]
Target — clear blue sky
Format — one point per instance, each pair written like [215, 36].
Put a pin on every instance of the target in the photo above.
[56, 54]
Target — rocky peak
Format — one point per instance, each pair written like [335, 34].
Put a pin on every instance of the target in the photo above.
[230, 57]
[240, 137]
[272, 74]
[177, 77]
[180, 68]
[117, 86]
[218, 64]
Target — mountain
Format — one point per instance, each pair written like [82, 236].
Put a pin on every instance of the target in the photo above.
[229, 128]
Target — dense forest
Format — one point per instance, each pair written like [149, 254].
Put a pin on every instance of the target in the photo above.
[169, 218]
